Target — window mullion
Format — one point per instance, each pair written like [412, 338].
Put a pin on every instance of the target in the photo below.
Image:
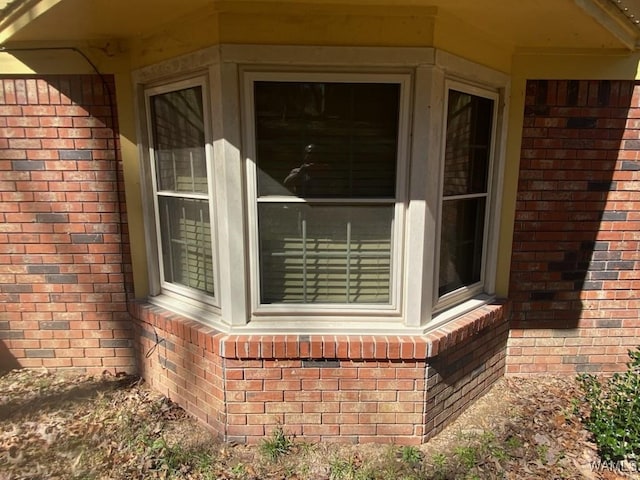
[175, 167]
[326, 201]
[190, 196]
[192, 172]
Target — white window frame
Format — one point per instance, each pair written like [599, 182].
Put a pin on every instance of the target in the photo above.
[166, 293]
[371, 311]
[468, 291]
[415, 307]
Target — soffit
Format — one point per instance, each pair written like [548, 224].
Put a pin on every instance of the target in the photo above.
[630, 9]
[516, 24]
[72, 20]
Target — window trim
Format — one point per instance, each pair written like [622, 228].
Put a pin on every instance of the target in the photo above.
[466, 292]
[223, 66]
[271, 312]
[168, 293]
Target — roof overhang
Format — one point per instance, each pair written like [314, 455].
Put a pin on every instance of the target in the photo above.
[620, 17]
[563, 24]
[57, 20]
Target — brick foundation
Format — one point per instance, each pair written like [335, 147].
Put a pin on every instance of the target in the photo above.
[64, 268]
[322, 387]
[575, 275]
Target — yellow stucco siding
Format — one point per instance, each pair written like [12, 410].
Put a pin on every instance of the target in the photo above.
[329, 25]
[576, 64]
[43, 62]
[465, 40]
[282, 24]
[177, 38]
[125, 99]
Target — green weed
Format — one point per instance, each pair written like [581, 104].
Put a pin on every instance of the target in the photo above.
[278, 445]
[614, 418]
[239, 470]
[341, 469]
[411, 455]
[439, 461]
[467, 456]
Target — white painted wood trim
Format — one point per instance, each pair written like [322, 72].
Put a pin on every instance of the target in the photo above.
[468, 72]
[261, 311]
[318, 56]
[231, 200]
[422, 195]
[148, 213]
[149, 159]
[486, 283]
[418, 201]
[169, 70]
[609, 17]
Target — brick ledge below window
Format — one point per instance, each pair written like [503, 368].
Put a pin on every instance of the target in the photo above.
[314, 346]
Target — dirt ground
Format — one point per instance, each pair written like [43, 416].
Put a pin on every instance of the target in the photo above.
[57, 426]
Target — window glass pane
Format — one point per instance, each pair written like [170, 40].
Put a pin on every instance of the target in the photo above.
[468, 138]
[325, 254]
[326, 140]
[186, 242]
[177, 119]
[461, 243]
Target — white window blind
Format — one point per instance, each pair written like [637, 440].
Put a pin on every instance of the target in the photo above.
[177, 124]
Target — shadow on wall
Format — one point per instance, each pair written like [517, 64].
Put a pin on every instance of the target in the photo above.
[458, 377]
[67, 240]
[571, 235]
[7, 360]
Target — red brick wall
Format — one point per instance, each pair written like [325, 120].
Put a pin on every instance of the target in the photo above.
[64, 266]
[575, 276]
[459, 376]
[65, 275]
[322, 387]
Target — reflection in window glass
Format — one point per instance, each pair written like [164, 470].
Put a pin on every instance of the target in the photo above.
[461, 247]
[326, 140]
[333, 145]
[469, 122]
[177, 124]
[186, 243]
[177, 119]
[467, 159]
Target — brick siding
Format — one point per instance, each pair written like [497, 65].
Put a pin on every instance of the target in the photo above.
[575, 276]
[64, 268]
[322, 387]
[65, 274]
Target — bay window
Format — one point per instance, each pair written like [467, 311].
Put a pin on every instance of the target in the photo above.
[300, 193]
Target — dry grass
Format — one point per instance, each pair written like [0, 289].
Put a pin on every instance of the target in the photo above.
[55, 426]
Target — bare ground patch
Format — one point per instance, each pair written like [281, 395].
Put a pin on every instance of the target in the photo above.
[61, 426]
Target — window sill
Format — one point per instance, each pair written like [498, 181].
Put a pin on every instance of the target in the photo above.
[321, 346]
